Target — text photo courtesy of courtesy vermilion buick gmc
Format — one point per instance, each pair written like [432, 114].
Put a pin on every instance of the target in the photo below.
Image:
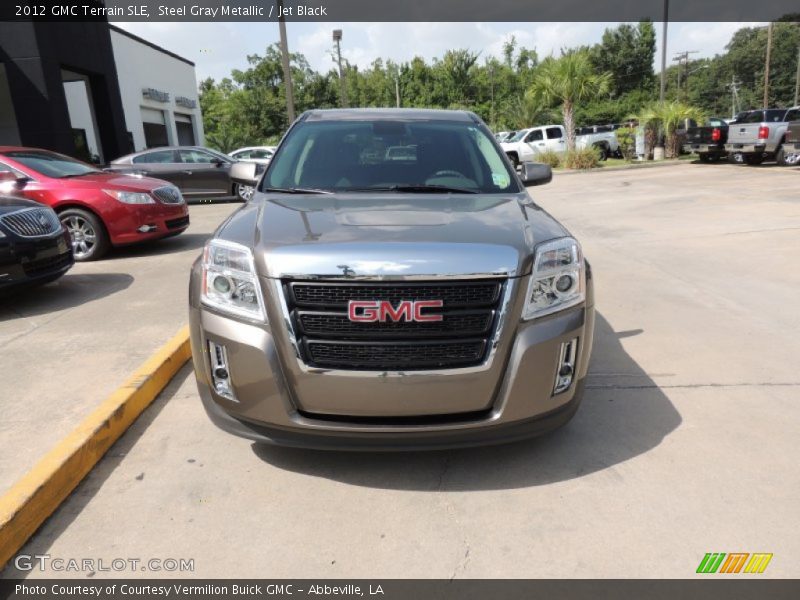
[391, 285]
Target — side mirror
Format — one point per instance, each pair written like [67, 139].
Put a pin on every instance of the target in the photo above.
[8, 176]
[244, 172]
[535, 173]
[217, 162]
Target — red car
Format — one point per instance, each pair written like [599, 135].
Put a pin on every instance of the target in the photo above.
[100, 209]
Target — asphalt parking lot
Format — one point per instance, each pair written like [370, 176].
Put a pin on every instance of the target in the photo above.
[686, 442]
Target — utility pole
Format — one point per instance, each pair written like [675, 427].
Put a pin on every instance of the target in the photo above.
[491, 79]
[682, 58]
[337, 37]
[664, 51]
[287, 70]
[766, 66]
[734, 86]
[797, 80]
[397, 89]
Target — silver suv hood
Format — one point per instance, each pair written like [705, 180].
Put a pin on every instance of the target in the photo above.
[398, 235]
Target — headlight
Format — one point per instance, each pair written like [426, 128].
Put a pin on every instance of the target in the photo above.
[229, 281]
[558, 280]
[131, 197]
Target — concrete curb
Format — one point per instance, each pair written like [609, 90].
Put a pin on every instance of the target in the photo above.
[41, 490]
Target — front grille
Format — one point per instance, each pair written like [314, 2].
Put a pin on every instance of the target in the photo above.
[338, 325]
[328, 339]
[42, 266]
[168, 195]
[452, 294]
[32, 222]
[178, 223]
[358, 355]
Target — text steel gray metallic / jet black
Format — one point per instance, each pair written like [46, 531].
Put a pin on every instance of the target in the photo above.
[391, 285]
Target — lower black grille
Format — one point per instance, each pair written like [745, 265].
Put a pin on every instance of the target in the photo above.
[367, 355]
[395, 341]
[178, 223]
[42, 266]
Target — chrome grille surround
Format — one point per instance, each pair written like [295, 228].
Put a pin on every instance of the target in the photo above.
[168, 194]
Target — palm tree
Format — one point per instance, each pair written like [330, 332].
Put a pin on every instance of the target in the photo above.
[569, 80]
[525, 111]
[667, 117]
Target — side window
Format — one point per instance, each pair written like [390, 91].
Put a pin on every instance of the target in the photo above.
[535, 136]
[160, 156]
[793, 115]
[241, 155]
[196, 157]
[554, 133]
[258, 154]
[499, 173]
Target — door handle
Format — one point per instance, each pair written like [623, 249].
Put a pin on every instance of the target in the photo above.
[187, 172]
[540, 144]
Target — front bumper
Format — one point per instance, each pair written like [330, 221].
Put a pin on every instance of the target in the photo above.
[521, 403]
[161, 220]
[28, 261]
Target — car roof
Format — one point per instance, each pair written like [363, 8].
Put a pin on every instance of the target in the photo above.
[406, 114]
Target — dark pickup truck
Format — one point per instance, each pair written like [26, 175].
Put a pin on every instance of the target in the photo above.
[707, 141]
[791, 145]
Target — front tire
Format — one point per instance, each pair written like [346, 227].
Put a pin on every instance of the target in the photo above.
[89, 236]
[244, 192]
[602, 153]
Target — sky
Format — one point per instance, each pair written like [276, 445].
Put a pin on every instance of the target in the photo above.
[217, 48]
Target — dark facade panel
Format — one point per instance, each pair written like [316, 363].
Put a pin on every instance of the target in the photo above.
[34, 55]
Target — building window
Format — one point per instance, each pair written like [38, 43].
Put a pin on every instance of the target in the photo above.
[185, 129]
[155, 128]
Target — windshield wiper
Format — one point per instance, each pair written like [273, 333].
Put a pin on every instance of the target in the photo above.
[414, 189]
[296, 190]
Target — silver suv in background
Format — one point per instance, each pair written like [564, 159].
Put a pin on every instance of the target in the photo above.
[362, 302]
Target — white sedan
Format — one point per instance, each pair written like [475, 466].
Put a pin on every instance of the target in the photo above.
[256, 154]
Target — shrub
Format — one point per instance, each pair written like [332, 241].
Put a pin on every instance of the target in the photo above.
[583, 158]
[626, 137]
[549, 157]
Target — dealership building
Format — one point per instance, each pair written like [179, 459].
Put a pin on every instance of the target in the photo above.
[94, 91]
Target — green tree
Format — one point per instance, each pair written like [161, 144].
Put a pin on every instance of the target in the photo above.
[567, 81]
[627, 52]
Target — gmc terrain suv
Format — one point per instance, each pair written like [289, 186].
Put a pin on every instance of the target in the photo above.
[362, 302]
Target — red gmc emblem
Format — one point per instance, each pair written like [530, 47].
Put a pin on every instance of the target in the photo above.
[371, 311]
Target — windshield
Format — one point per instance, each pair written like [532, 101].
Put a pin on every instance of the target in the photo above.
[387, 155]
[518, 136]
[51, 164]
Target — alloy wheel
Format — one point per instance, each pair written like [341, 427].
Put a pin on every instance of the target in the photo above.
[83, 235]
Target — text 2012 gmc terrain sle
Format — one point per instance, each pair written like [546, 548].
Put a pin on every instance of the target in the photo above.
[390, 285]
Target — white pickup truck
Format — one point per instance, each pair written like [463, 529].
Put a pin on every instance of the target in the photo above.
[528, 143]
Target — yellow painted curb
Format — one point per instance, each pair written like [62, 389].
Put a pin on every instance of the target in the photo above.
[42, 489]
